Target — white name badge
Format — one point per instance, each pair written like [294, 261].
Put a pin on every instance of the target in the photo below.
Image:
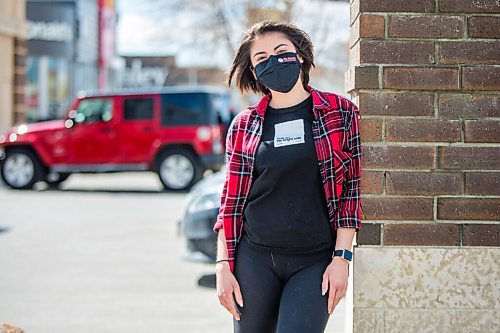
[289, 133]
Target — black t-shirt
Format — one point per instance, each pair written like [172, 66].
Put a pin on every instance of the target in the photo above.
[286, 207]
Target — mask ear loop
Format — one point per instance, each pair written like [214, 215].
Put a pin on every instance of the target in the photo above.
[300, 63]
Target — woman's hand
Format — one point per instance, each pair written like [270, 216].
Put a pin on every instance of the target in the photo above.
[335, 280]
[226, 286]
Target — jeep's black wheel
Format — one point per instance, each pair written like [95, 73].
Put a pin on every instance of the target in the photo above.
[55, 179]
[21, 169]
[178, 169]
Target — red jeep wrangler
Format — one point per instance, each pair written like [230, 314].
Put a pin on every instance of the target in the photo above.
[177, 132]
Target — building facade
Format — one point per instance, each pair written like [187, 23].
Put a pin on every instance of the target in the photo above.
[69, 43]
[13, 32]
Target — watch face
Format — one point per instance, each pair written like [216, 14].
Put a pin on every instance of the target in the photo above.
[348, 255]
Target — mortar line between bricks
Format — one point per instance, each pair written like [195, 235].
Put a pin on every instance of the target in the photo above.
[386, 25]
[427, 247]
[434, 207]
[428, 39]
[429, 196]
[423, 309]
[365, 116]
[440, 14]
[443, 117]
[436, 106]
[461, 233]
[436, 158]
[434, 170]
[441, 247]
[417, 170]
[382, 234]
[418, 66]
[432, 144]
[384, 129]
[441, 92]
[427, 66]
[381, 77]
[440, 222]
[462, 129]
[436, 53]
[468, 196]
[459, 77]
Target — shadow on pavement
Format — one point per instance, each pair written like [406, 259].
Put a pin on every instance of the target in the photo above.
[123, 191]
[44, 188]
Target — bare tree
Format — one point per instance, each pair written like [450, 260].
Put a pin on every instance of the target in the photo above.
[214, 27]
[211, 22]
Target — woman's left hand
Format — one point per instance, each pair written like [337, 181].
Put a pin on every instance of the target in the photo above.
[335, 281]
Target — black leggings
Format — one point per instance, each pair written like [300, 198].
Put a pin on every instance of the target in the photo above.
[281, 292]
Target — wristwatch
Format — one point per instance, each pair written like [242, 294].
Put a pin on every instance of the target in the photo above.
[344, 254]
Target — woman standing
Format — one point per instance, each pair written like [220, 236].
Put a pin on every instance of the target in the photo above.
[290, 204]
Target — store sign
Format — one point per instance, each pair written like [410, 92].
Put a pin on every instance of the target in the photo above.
[50, 31]
[138, 76]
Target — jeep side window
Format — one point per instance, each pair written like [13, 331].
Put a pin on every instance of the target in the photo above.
[185, 109]
[94, 110]
[138, 109]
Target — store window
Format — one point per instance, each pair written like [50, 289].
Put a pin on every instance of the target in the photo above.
[47, 95]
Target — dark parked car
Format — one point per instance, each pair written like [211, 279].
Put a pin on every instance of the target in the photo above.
[202, 205]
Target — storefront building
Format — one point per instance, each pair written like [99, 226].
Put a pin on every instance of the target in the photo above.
[63, 53]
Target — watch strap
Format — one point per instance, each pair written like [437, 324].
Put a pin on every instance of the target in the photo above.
[343, 253]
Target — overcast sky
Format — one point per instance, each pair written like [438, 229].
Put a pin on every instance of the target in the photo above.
[137, 31]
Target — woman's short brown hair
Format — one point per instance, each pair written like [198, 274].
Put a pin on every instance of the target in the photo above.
[241, 66]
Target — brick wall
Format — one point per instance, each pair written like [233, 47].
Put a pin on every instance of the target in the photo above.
[426, 75]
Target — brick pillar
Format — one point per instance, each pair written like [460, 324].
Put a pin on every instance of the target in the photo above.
[426, 77]
[20, 52]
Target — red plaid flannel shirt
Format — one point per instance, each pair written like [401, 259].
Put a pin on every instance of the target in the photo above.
[336, 135]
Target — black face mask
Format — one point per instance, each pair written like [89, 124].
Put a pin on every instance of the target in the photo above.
[279, 72]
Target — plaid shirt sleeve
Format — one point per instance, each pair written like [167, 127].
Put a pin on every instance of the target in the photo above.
[348, 214]
[229, 149]
[230, 197]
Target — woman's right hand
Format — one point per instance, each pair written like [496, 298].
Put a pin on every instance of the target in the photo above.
[226, 286]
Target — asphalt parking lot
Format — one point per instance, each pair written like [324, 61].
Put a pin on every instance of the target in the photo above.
[102, 254]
